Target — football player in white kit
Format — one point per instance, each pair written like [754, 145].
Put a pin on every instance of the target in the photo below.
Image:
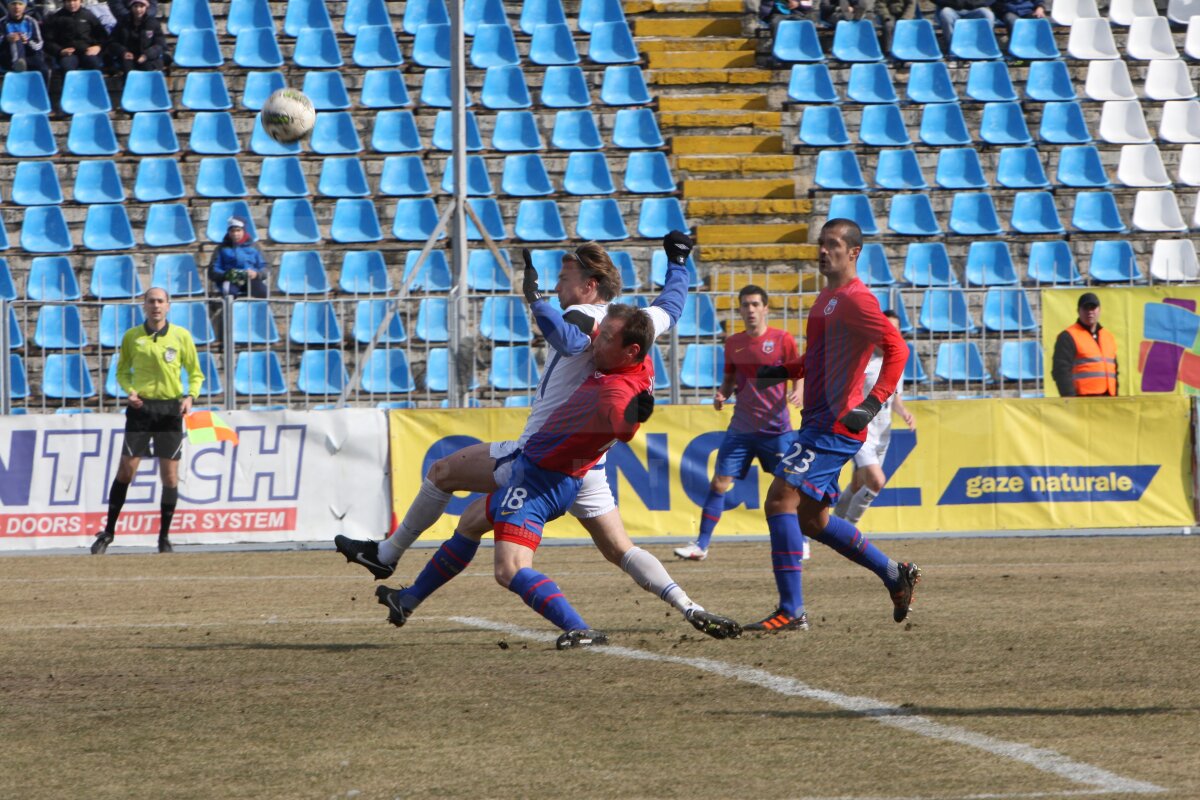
[587, 283]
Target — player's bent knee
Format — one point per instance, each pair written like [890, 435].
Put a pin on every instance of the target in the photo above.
[721, 484]
[441, 473]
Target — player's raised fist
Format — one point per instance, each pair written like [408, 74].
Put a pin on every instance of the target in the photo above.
[678, 246]
[640, 407]
[529, 284]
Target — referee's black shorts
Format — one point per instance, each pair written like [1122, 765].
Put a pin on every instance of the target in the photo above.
[159, 422]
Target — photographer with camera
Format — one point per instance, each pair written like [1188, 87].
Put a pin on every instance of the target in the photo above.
[238, 268]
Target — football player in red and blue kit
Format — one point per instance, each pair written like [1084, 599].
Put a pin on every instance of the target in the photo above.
[844, 327]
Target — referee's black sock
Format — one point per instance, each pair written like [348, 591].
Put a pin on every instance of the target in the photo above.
[116, 501]
[170, 497]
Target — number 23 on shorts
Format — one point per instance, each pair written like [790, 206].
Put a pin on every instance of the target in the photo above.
[805, 456]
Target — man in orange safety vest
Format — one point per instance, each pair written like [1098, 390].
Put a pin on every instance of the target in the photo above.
[1085, 355]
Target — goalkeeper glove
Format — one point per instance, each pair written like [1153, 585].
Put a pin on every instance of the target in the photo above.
[861, 415]
[678, 247]
[767, 377]
[529, 286]
[640, 408]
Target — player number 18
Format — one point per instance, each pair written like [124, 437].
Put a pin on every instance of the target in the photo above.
[514, 498]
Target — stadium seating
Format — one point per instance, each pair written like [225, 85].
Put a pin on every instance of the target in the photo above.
[990, 264]
[35, 183]
[388, 372]
[258, 372]
[51, 278]
[115, 320]
[368, 315]
[961, 361]
[343, 177]
[703, 366]
[364, 272]
[157, 180]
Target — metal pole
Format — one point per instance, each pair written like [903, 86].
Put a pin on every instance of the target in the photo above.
[5, 360]
[461, 349]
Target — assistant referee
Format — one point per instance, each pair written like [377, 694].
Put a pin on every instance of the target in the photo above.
[153, 356]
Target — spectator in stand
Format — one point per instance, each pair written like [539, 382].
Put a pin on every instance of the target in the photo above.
[951, 11]
[138, 42]
[834, 11]
[773, 12]
[121, 9]
[889, 12]
[75, 38]
[238, 267]
[23, 43]
[101, 11]
[1013, 10]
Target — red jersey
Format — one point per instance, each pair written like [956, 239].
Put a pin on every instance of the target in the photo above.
[759, 410]
[844, 327]
[592, 420]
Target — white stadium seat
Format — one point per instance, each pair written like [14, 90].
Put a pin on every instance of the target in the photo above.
[1174, 260]
[1109, 80]
[1180, 122]
[1122, 122]
[1150, 38]
[1141, 166]
[1191, 43]
[1067, 11]
[1180, 11]
[1124, 12]
[1092, 39]
[1168, 79]
[1189, 165]
[1157, 211]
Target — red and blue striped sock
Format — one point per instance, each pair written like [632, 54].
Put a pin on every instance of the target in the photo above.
[848, 540]
[787, 561]
[543, 596]
[710, 515]
[450, 559]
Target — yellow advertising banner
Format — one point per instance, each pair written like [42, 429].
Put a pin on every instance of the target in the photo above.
[973, 465]
[1157, 329]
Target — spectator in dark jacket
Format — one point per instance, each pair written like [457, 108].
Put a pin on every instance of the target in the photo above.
[773, 12]
[238, 267]
[834, 11]
[23, 44]
[121, 8]
[1013, 10]
[951, 11]
[75, 37]
[138, 42]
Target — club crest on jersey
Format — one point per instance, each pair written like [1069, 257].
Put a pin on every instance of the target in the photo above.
[169, 355]
[768, 346]
[830, 306]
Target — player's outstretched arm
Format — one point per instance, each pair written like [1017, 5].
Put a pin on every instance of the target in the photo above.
[569, 334]
[666, 309]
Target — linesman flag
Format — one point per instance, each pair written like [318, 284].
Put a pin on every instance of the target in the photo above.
[205, 427]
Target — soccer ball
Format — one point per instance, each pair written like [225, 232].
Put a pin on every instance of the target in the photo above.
[288, 115]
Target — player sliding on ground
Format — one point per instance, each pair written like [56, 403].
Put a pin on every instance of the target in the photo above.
[587, 283]
[843, 329]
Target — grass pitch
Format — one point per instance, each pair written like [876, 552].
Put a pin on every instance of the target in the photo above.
[1064, 667]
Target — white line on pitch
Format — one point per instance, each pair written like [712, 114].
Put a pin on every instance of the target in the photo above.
[884, 713]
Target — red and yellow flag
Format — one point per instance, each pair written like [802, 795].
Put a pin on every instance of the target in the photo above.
[205, 427]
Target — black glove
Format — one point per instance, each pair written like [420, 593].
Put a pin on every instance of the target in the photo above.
[678, 246]
[529, 285]
[862, 414]
[767, 377]
[640, 408]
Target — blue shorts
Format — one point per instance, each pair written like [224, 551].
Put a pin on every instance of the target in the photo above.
[814, 462]
[739, 450]
[533, 497]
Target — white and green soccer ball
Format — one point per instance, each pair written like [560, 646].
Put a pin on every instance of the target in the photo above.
[288, 115]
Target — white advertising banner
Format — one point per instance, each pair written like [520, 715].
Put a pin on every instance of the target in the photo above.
[294, 476]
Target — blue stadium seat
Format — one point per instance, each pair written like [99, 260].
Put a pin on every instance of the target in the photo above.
[302, 272]
[960, 361]
[636, 128]
[482, 12]
[293, 221]
[35, 183]
[114, 277]
[928, 264]
[587, 173]
[8, 290]
[219, 213]
[256, 48]
[1080, 167]
[513, 368]
[415, 219]
[259, 86]
[264, 145]
[18, 380]
[89, 135]
[153, 134]
[168, 225]
[1008, 311]
[443, 132]
[565, 87]
[1097, 212]
[624, 85]
[424, 12]
[395, 131]
[84, 92]
[624, 264]
[658, 272]
[99, 182]
[990, 264]
[974, 40]
[856, 41]
[253, 323]
[929, 82]
[44, 230]
[575, 130]
[404, 176]
[186, 15]
[1113, 261]
[16, 338]
[811, 84]
[66, 377]
[248, 14]
[1052, 262]
[335, 134]
[494, 46]
[1049, 82]
[258, 373]
[659, 216]
[873, 267]
[823, 126]
[503, 319]
[959, 168]
[107, 228]
[1003, 124]
[914, 370]
[1063, 123]
[213, 134]
[484, 274]
[355, 220]
[282, 176]
[1021, 168]
[539, 221]
[144, 91]
[703, 366]
[431, 46]
[699, 317]
[1034, 213]
[883, 126]
[899, 170]
[648, 172]
[892, 300]
[212, 376]
[157, 179]
[1021, 361]
[505, 88]
[662, 378]
[612, 43]
[488, 211]
[974, 214]
[912, 215]
[796, 40]
[541, 12]
[368, 314]
[314, 322]
[343, 177]
[478, 183]
[30, 136]
[50, 279]
[1032, 40]
[990, 82]
[945, 311]
[516, 132]
[193, 315]
[856, 207]
[203, 91]
[387, 372]
[59, 328]
[437, 370]
[915, 40]
[177, 273]
[365, 12]
[198, 49]
[384, 88]
[592, 12]
[326, 90]
[24, 93]
[115, 319]
[364, 272]
[870, 82]
[304, 15]
[431, 320]
[839, 170]
[525, 176]
[375, 46]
